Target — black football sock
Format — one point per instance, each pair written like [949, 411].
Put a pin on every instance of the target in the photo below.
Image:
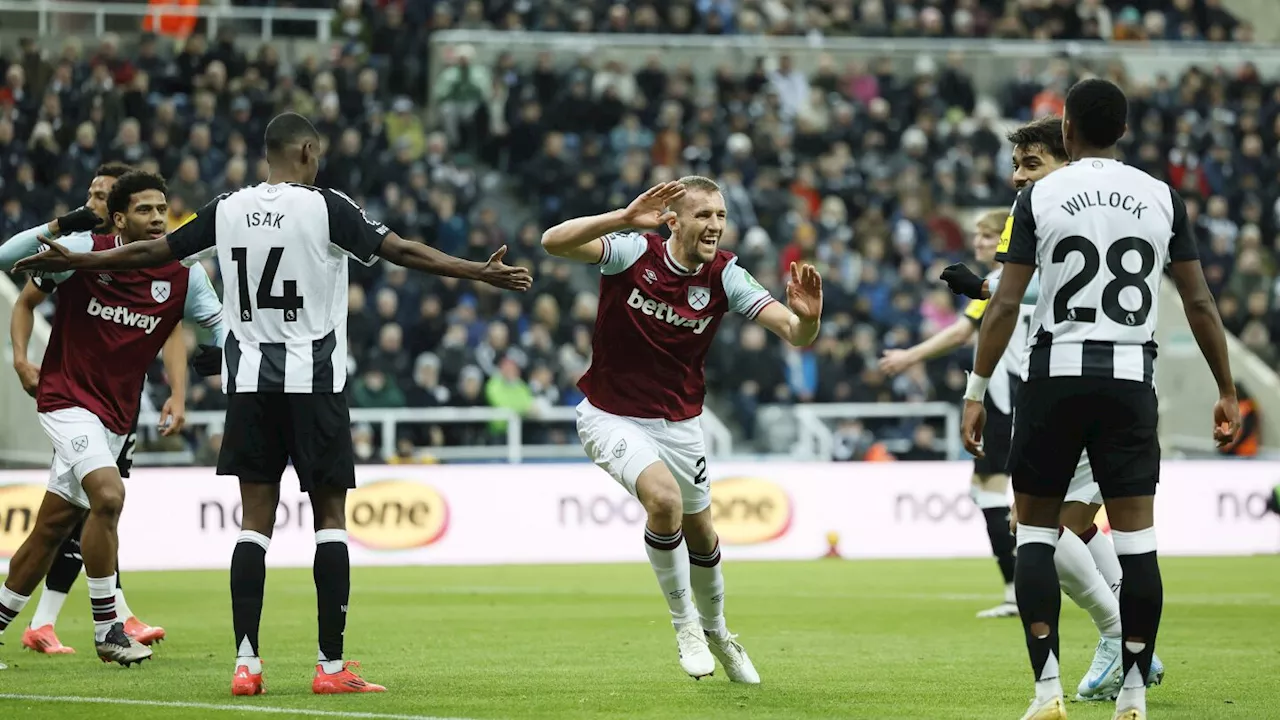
[332, 573]
[1141, 603]
[1039, 604]
[248, 583]
[65, 569]
[1002, 541]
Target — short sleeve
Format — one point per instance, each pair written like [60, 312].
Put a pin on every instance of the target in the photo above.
[1183, 246]
[1018, 239]
[746, 296]
[621, 251]
[351, 230]
[203, 306]
[76, 242]
[197, 233]
[976, 309]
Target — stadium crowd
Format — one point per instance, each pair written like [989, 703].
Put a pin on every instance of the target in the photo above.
[868, 172]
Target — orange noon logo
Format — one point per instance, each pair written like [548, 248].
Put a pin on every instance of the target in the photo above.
[396, 515]
[749, 510]
[19, 505]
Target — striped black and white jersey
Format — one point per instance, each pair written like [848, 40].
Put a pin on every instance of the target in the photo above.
[1101, 233]
[283, 250]
[1013, 363]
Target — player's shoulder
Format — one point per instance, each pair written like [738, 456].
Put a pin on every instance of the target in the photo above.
[105, 241]
[724, 260]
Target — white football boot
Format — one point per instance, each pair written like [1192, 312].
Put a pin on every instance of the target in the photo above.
[695, 655]
[1106, 673]
[733, 658]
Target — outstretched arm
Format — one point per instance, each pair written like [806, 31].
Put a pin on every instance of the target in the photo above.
[132, 256]
[424, 258]
[940, 343]
[799, 321]
[28, 242]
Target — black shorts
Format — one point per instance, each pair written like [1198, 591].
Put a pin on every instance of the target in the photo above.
[1115, 420]
[264, 431]
[997, 435]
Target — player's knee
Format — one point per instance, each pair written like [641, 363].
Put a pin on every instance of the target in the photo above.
[107, 500]
[329, 509]
[664, 510]
[1076, 517]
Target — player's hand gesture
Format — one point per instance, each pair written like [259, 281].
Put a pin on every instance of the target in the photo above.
[500, 275]
[82, 219]
[894, 362]
[975, 420]
[804, 291]
[54, 259]
[1226, 420]
[963, 281]
[173, 416]
[650, 209]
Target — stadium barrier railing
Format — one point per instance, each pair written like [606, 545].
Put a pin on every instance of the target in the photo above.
[815, 439]
[574, 513]
[719, 439]
[48, 13]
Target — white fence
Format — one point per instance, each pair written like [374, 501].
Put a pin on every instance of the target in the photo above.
[574, 513]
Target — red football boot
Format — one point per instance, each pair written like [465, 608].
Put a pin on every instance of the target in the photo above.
[44, 640]
[143, 633]
[345, 681]
[247, 683]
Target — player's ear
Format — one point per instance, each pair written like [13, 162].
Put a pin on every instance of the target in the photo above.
[119, 220]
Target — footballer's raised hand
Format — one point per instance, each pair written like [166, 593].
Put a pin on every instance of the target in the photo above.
[54, 259]
[964, 281]
[896, 361]
[82, 219]
[804, 292]
[500, 275]
[650, 209]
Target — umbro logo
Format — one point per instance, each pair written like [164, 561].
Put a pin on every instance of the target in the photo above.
[677, 594]
[104, 279]
[80, 443]
[650, 276]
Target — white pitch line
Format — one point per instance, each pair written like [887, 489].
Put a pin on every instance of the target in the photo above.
[217, 708]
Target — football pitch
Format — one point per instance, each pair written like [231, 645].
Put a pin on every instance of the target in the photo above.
[831, 639]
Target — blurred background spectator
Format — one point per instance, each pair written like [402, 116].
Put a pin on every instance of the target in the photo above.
[869, 168]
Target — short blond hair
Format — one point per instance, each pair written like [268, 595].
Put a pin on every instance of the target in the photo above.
[992, 221]
[698, 183]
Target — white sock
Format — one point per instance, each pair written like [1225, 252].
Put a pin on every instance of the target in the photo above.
[102, 596]
[1133, 694]
[327, 666]
[1082, 582]
[1049, 685]
[245, 656]
[11, 603]
[122, 607]
[48, 608]
[708, 590]
[1010, 596]
[1106, 560]
[670, 560]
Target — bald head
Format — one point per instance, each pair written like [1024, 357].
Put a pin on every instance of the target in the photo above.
[695, 185]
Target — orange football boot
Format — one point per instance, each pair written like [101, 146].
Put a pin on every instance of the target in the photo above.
[44, 640]
[345, 681]
[142, 632]
[247, 683]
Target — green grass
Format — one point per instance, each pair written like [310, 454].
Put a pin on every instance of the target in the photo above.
[831, 639]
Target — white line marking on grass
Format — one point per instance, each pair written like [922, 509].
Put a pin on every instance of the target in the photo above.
[218, 708]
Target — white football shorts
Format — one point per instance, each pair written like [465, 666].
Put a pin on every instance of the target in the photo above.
[81, 444]
[625, 446]
[1083, 489]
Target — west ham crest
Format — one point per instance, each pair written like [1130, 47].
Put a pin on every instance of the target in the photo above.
[699, 297]
[80, 443]
[160, 290]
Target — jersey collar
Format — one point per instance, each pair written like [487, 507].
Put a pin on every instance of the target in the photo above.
[674, 265]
